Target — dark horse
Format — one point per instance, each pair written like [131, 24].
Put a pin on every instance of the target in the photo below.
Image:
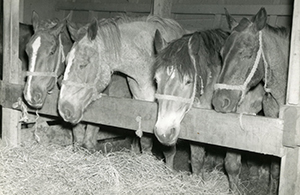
[186, 71]
[254, 52]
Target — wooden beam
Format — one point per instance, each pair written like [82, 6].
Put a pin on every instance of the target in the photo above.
[11, 69]
[233, 9]
[260, 134]
[290, 172]
[108, 7]
[181, 8]
[162, 8]
[293, 90]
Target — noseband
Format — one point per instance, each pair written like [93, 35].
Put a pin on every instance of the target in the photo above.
[84, 85]
[61, 59]
[260, 54]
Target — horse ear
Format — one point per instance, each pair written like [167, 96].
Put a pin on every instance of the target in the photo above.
[159, 42]
[194, 44]
[92, 29]
[69, 16]
[260, 19]
[35, 21]
[232, 23]
[58, 28]
[73, 30]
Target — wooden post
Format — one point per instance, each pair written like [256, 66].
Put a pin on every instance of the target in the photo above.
[293, 91]
[162, 8]
[11, 69]
[290, 162]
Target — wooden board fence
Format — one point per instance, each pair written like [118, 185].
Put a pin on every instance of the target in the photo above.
[251, 133]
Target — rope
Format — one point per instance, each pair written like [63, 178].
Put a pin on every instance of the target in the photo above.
[139, 131]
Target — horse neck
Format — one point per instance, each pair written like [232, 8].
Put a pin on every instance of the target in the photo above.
[66, 41]
[276, 48]
[209, 75]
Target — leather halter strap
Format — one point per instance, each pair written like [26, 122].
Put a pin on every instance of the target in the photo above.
[260, 54]
[60, 59]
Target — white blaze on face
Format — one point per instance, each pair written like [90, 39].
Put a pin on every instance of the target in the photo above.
[71, 57]
[35, 47]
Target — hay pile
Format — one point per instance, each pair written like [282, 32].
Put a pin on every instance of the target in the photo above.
[53, 169]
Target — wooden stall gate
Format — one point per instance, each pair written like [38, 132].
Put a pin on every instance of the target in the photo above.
[278, 137]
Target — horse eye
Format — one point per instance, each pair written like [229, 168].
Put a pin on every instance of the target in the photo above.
[188, 82]
[82, 66]
[52, 51]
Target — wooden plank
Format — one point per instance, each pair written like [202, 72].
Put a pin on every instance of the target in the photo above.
[293, 90]
[291, 130]
[109, 7]
[11, 69]
[261, 134]
[217, 21]
[233, 9]
[290, 172]
[162, 8]
[177, 8]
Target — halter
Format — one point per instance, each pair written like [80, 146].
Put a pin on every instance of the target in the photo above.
[243, 87]
[84, 85]
[60, 59]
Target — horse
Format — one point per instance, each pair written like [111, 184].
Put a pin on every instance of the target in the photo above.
[121, 44]
[185, 72]
[46, 50]
[254, 53]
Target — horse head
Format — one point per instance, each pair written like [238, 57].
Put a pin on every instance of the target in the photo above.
[86, 75]
[176, 79]
[45, 51]
[244, 62]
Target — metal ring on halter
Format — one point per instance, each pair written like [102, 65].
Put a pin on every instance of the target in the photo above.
[243, 87]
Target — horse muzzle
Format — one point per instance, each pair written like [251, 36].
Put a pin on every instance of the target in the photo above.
[225, 100]
[35, 97]
[69, 112]
[167, 137]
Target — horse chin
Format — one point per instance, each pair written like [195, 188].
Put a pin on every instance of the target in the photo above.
[168, 138]
[35, 105]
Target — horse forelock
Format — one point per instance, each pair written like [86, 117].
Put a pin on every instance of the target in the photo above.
[243, 24]
[176, 53]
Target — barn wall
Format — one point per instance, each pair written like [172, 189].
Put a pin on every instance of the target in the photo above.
[191, 19]
[45, 9]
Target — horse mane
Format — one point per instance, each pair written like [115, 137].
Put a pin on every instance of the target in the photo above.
[281, 31]
[108, 28]
[176, 53]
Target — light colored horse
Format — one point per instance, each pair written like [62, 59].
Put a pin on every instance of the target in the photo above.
[121, 44]
[46, 51]
[254, 52]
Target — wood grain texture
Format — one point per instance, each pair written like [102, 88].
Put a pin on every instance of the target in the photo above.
[259, 134]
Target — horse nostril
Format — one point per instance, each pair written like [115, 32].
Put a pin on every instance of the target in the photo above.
[67, 113]
[37, 97]
[225, 102]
